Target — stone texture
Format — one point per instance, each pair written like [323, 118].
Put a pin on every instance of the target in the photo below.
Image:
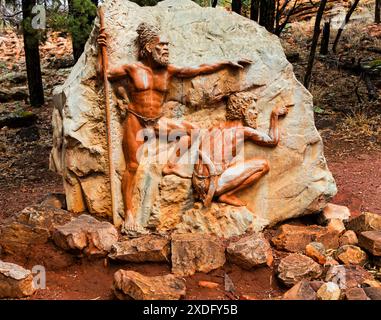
[193, 253]
[336, 225]
[316, 251]
[294, 238]
[149, 248]
[365, 222]
[251, 251]
[356, 294]
[87, 235]
[296, 267]
[301, 291]
[329, 291]
[55, 200]
[334, 211]
[371, 241]
[346, 277]
[349, 238]
[351, 255]
[131, 284]
[15, 281]
[373, 293]
[32, 226]
[299, 181]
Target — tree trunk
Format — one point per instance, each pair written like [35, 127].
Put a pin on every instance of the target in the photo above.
[347, 18]
[377, 16]
[315, 40]
[254, 10]
[267, 14]
[214, 3]
[32, 56]
[237, 6]
[325, 38]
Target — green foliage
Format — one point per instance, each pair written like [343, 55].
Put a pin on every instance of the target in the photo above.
[78, 21]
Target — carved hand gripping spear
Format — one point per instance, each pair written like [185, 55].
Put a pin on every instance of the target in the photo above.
[104, 62]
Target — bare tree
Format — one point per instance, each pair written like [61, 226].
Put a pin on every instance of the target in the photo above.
[377, 15]
[324, 47]
[345, 22]
[214, 3]
[237, 6]
[315, 39]
[32, 55]
[254, 10]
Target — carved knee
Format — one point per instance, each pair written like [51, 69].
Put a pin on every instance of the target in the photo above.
[132, 167]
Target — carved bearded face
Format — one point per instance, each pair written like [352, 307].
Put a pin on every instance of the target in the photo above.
[160, 52]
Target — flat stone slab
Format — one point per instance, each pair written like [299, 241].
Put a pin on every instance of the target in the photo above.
[356, 294]
[371, 241]
[334, 211]
[193, 253]
[294, 238]
[15, 281]
[149, 248]
[87, 235]
[133, 285]
[296, 267]
[251, 251]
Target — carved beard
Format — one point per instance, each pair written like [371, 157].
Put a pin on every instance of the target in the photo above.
[159, 58]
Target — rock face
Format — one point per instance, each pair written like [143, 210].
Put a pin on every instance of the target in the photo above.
[15, 281]
[32, 226]
[351, 255]
[144, 249]
[295, 238]
[194, 252]
[130, 284]
[371, 241]
[299, 181]
[251, 251]
[297, 267]
[301, 291]
[365, 222]
[349, 238]
[86, 234]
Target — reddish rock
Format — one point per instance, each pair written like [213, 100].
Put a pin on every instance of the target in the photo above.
[131, 284]
[356, 294]
[15, 281]
[150, 248]
[300, 291]
[297, 267]
[347, 276]
[329, 291]
[334, 211]
[316, 284]
[86, 234]
[316, 251]
[208, 284]
[349, 238]
[371, 241]
[373, 293]
[251, 251]
[295, 238]
[365, 222]
[196, 252]
[351, 255]
[336, 225]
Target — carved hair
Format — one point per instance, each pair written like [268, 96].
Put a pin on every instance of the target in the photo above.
[147, 33]
[242, 106]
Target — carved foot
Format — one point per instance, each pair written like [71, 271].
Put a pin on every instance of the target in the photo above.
[176, 170]
[132, 228]
[232, 200]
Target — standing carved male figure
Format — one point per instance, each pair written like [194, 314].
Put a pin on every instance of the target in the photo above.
[145, 91]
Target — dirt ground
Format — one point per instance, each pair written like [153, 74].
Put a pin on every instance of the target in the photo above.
[352, 138]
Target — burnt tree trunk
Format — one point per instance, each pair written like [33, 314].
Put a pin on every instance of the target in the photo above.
[254, 10]
[377, 15]
[341, 29]
[325, 38]
[315, 39]
[32, 55]
[267, 14]
[214, 3]
[237, 6]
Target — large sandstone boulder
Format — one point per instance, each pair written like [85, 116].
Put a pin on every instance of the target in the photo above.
[299, 181]
[15, 281]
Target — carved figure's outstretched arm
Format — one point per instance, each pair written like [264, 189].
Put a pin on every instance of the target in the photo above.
[188, 72]
[272, 138]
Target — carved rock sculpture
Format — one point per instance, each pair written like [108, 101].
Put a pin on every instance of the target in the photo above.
[298, 182]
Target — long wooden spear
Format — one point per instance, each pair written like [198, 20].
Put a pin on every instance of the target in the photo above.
[108, 117]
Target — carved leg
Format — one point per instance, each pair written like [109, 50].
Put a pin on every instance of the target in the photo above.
[128, 185]
[238, 177]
